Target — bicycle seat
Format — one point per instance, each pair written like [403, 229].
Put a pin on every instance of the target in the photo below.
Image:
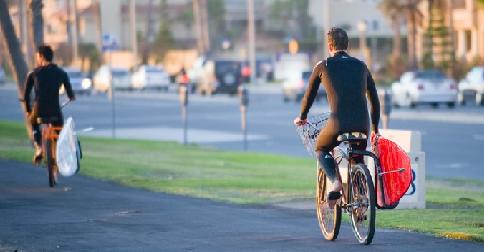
[49, 120]
[352, 137]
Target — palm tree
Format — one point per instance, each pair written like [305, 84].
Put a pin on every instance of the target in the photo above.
[398, 10]
[16, 60]
[392, 9]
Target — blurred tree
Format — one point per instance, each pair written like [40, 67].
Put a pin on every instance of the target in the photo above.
[295, 19]
[37, 30]
[89, 52]
[216, 21]
[150, 35]
[406, 10]
[164, 39]
[163, 42]
[438, 49]
[392, 9]
[16, 59]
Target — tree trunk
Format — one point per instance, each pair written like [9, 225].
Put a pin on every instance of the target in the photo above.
[397, 38]
[97, 17]
[411, 39]
[15, 58]
[37, 22]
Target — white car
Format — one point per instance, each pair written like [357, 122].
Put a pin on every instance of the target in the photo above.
[424, 87]
[148, 76]
[473, 84]
[120, 76]
[79, 82]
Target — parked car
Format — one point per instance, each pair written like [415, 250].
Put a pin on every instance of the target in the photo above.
[295, 86]
[120, 76]
[202, 77]
[424, 87]
[79, 81]
[228, 76]
[147, 76]
[473, 84]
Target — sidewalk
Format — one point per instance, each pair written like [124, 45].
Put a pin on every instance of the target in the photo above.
[176, 134]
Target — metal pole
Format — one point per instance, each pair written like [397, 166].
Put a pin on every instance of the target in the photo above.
[113, 107]
[243, 110]
[327, 26]
[132, 23]
[251, 31]
[183, 92]
[74, 26]
[185, 124]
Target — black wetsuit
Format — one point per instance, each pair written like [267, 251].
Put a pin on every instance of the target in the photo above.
[347, 82]
[46, 82]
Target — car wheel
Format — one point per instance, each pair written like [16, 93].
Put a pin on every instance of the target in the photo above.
[413, 105]
[435, 105]
[479, 99]
[286, 99]
[451, 104]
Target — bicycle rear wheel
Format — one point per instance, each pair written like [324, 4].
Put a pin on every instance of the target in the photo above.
[363, 201]
[329, 219]
[51, 166]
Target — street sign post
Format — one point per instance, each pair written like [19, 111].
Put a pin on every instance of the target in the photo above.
[109, 44]
[244, 103]
[183, 90]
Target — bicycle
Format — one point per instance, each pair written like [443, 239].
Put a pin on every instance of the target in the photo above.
[50, 134]
[358, 194]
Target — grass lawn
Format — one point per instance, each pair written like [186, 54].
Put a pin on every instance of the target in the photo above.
[455, 208]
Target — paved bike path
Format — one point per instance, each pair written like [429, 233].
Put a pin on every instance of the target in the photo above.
[84, 214]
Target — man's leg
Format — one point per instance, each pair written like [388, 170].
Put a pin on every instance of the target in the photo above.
[326, 163]
[37, 143]
[324, 145]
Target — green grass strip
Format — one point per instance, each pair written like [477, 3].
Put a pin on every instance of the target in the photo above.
[455, 207]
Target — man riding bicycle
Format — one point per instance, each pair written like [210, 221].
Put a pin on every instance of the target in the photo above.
[346, 80]
[46, 80]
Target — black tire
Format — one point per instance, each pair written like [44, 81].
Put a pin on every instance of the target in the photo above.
[51, 166]
[451, 104]
[329, 219]
[435, 105]
[362, 194]
[413, 105]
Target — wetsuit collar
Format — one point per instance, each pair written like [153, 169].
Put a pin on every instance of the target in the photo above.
[341, 54]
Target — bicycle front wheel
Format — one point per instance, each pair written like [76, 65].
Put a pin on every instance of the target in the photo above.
[362, 200]
[51, 166]
[329, 219]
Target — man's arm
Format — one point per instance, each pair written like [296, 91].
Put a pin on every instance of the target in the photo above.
[29, 83]
[374, 101]
[68, 87]
[311, 91]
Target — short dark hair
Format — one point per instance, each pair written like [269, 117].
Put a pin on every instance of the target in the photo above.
[338, 38]
[46, 52]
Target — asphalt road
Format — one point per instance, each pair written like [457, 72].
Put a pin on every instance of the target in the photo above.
[452, 139]
[83, 214]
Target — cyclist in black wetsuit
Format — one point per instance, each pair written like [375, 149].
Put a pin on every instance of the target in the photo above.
[347, 82]
[46, 80]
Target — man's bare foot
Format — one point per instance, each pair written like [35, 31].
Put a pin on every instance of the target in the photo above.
[37, 155]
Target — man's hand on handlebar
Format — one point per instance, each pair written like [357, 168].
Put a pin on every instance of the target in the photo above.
[299, 122]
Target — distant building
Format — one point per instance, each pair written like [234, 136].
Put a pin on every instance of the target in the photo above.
[462, 20]
[351, 15]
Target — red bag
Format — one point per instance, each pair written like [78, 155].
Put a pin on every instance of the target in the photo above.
[395, 174]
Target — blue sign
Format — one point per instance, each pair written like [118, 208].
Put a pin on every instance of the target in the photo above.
[109, 42]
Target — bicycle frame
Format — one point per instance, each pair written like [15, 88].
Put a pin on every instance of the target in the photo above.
[352, 153]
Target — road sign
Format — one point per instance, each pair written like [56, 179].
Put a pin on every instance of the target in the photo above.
[109, 42]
